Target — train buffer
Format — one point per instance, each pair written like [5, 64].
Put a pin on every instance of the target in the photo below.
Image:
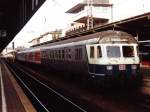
[12, 97]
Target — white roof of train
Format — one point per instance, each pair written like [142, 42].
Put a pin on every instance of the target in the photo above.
[103, 37]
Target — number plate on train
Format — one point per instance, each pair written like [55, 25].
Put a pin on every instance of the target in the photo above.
[122, 67]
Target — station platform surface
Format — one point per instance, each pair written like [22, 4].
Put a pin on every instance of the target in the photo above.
[12, 97]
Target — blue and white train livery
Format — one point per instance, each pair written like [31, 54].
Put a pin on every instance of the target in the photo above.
[106, 55]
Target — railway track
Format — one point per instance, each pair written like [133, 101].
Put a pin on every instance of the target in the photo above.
[44, 98]
[109, 102]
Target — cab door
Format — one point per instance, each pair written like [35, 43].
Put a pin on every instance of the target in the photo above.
[95, 59]
[91, 58]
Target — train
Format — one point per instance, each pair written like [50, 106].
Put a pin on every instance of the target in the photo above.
[102, 57]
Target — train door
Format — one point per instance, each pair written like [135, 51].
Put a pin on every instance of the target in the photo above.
[91, 58]
[94, 59]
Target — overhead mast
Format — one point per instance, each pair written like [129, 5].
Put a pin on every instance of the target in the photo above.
[89, 14]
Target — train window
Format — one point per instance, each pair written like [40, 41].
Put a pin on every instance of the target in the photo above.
[63, 54]
[78, 53]
[43, 54]
[113, 51]
[59, 54]
[49, 54]
[69, 56]
[52, 54]
[55, 54]
[92, 52]
[128, 51]
[69, 53]
[99, 52]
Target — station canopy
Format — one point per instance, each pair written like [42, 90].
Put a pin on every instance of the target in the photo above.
[14, 14]
[138, 26]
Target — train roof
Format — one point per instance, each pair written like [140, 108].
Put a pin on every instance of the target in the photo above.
[29, 50]
[116, 37]
[103, 37]
[110, 36]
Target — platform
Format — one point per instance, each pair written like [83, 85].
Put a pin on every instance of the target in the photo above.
[12, 97]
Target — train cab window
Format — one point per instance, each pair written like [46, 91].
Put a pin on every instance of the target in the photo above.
[113, 51]
[128, 51]
[92, 52]
[99, 52]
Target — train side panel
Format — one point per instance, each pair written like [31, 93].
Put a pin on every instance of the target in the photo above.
[72, 59]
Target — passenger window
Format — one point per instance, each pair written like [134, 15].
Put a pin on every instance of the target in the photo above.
[55, 56]
[68, 53]
[63, 54]
[59, 52]
[128, 51]
[99, 52]
[51, 54]
[78, 53]
[92, 52]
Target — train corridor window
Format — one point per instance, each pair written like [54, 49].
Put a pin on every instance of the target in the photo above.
[43, 54]
[80, 53]
[48, 54]
[59, 54]
[113, 51]
[63, 54]
[69, 53]
[52, 54]
[76, 54]
[92, 52]
[99, 52]
[128, 51]
[55, 54]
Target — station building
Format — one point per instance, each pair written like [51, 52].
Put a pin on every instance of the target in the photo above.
[48, 36]
[90, 13]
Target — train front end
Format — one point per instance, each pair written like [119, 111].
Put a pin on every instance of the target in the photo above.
[114, 58]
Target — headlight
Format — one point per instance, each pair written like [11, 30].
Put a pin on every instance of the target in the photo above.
[134, 67]
[109, 67]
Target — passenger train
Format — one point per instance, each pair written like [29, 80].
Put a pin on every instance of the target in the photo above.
[103, 56]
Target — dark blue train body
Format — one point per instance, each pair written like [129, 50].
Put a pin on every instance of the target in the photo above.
[106, 55]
